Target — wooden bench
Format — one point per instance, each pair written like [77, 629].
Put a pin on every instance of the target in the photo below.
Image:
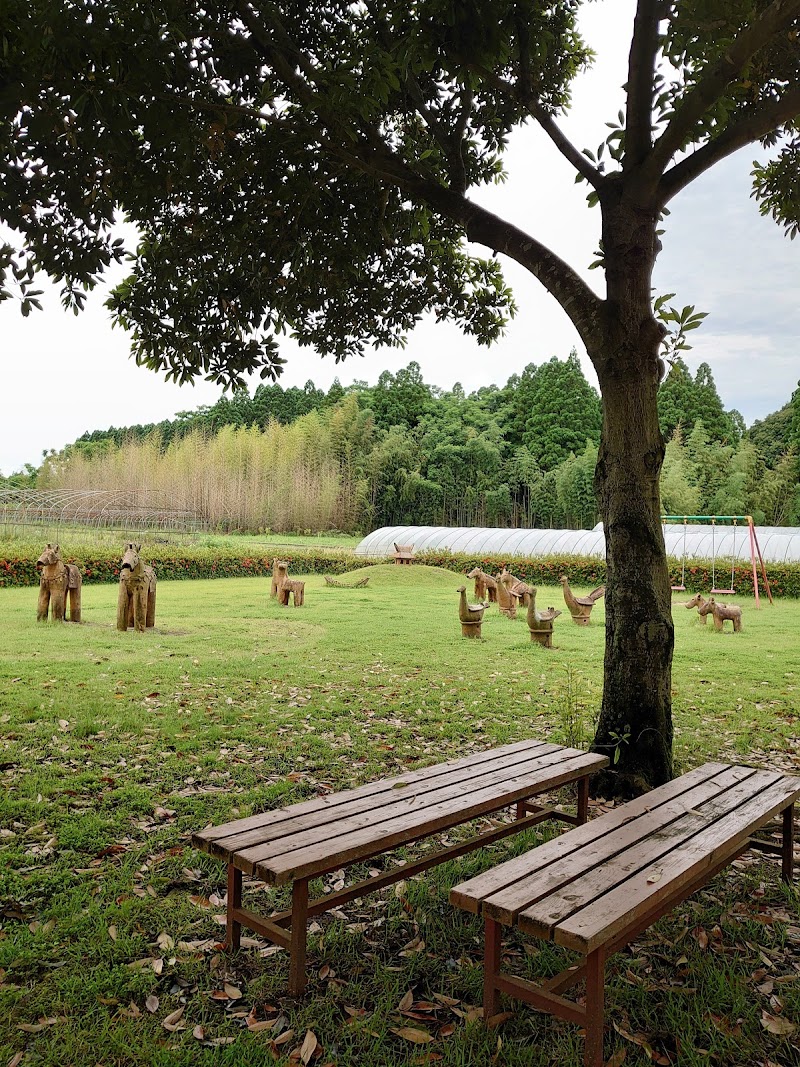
[594, 888]
[314, 837]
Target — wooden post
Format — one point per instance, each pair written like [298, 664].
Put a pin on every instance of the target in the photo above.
[491, 966]
[595, 1008]
[583, 800]
[787, 850]
[233, 934]
[297, 951]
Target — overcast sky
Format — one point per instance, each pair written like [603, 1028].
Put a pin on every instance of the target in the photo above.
[63, 375]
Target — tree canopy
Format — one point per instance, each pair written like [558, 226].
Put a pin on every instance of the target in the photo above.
[305, 167]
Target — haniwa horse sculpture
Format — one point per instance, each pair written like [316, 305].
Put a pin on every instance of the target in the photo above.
[56, 579]
[136, 605]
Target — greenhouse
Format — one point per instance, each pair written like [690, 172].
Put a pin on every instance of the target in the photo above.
[778, 544]
[107, 508]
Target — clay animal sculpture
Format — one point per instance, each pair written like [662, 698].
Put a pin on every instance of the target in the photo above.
[698, 601]
[540, 623]
[507, 599]
[280, 571]
[485, 585]
[471, 615]
[722, 613]
[136, 603]
[293, 588]
[580, 607]
[403, 553]
[56, 580]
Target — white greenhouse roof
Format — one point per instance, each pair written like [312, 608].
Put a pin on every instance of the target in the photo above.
[778, 544]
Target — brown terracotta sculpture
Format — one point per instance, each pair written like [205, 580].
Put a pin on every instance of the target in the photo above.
[580, 607]
[506, 597]
[471, 615]
[56, 579]
[280, 569]
[540, 623]
[136, 604]
[291, 587]
[698, 601]
[403, 553]
[484, 584]
[347, 585]
[722, 613]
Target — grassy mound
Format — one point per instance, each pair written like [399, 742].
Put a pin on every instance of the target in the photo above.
[390, 575]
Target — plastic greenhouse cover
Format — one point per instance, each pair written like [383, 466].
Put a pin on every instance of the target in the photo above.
[778, 544]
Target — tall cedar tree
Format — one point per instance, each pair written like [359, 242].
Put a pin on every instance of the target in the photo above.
[305, 164]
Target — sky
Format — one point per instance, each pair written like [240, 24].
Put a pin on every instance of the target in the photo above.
[62, 375]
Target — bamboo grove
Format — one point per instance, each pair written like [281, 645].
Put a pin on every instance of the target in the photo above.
[404, 452]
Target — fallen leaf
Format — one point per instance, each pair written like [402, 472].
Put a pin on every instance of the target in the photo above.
[308, 1047]
[406, 1002]
[199, 1033]
[287, 1035]
[618, 1058]
[497, 1020]
[411, 1033]
[172, 1021]
[152, 1003]
[112, 933]
[232, 992]
[775, 1024]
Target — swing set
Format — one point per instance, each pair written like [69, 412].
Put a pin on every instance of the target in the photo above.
[754, 550]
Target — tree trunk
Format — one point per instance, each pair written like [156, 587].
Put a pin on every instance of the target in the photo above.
[635, 725]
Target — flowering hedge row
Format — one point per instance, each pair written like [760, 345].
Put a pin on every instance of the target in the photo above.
[784, 578]
[171, 564]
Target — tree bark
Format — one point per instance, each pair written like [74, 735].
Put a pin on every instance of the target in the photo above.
[635, 724]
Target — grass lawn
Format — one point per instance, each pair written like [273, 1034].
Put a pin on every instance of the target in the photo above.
[116, 746]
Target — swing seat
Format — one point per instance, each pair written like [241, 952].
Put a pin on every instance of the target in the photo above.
[678, 588]
[723, 592]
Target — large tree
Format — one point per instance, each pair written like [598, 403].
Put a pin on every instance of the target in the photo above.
[305, 165]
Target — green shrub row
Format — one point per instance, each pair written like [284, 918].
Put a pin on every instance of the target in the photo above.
[20, 569]
[784, 578]
[174, 565]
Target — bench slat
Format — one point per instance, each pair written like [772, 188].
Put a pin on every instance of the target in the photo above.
[471, 894]
[615, 911]
[599, 864]
[364, 810]
[378, 838]
[370, 789]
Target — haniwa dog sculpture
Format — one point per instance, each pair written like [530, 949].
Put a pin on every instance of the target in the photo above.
[56, 579]
[136, 605]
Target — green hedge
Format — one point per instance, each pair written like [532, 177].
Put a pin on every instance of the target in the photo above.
[784, 578]
[171, 564]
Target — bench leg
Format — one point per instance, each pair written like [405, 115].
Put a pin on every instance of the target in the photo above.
[491, 967]
[233, 929]
[787, 850]
[297, 949]
[583, 800]
[595, 1008]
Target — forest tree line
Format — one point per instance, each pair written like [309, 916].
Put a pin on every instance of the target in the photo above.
[405, 452]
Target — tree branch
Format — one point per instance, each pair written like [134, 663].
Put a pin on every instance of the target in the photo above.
[751, 127]
[549, 125]
[713, 83]
[641, 69]
[371, 155]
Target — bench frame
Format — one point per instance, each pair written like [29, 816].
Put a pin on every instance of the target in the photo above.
[288, 928]
[546, 996]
